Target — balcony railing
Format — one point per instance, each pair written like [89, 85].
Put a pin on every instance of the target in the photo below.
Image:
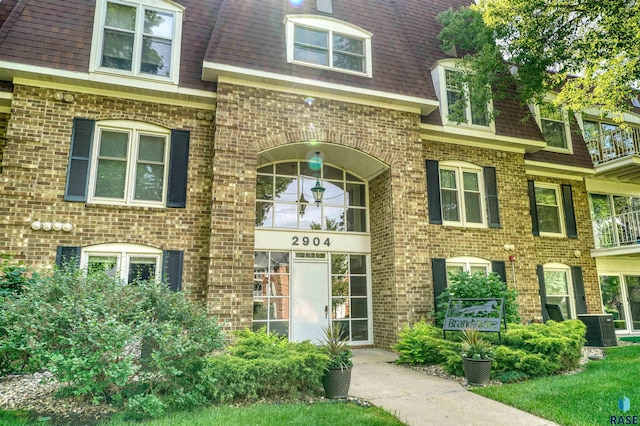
[614, 144]
[617, 231]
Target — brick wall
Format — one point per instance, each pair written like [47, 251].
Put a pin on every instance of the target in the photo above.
[216, 230]
[4, 122]
[33, 183]
[249, 121]
[530, 250]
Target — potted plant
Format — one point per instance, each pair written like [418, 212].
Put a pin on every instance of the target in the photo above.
[477, 356]
[337, 377]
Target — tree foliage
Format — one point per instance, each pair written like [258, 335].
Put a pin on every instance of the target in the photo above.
[585, 49]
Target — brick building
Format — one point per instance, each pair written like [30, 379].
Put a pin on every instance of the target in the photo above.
[187, 138]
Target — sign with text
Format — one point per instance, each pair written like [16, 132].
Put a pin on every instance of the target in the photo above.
[482, 314]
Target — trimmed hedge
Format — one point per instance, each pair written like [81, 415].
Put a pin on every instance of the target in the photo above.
[260, 365]
[527, 350]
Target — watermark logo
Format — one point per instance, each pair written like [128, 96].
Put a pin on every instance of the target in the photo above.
[624, 405]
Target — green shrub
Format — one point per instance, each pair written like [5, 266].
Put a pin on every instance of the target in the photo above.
[560, 342]
[262, 365]
[474, 286]
[89, 330]
[532, 350]
[423, 343]
[15, 278]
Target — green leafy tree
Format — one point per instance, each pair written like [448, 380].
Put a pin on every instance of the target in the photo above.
[587, 49]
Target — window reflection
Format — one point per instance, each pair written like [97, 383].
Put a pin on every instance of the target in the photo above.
[284, 199]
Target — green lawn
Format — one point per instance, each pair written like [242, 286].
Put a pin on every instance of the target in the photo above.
[319, 414]
[586, 398]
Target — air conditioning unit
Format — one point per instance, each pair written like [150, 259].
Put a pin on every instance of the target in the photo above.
[600, 330]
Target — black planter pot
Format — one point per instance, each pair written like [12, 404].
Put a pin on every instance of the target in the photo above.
[336, 383]
[477, 371]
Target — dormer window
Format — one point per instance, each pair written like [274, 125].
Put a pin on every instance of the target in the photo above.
[554, 124]
[140, 39]
[328, 43]
[457, 102]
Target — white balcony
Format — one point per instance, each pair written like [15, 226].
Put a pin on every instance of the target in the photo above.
[616, 154]
[617, 231]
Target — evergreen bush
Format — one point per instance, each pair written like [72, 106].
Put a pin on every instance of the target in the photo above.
[261, 365]
[532, 350]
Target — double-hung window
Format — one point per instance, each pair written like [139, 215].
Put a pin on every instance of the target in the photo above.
[127, 163]
[328, 43]
[554, 124]
[552, 211]
[130, 165]
[461, 194]
[549, 209]
[461, 107]
[139, 39]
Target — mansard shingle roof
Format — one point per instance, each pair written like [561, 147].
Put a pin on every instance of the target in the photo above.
[250, 34]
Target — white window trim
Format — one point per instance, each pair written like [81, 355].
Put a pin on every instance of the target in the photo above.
[440, 83]
[459, 167]
[134, 129]
[466, 262]
[561, 267]
[561, 217]
[330, 25]
[567, 128]
[98, 32]
[123, 253]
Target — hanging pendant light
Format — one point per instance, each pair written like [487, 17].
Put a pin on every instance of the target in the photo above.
[318, 193]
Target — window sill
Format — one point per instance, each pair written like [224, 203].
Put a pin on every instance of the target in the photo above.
[94, 205]
[552, 235]
[107, 75]
[324, 67]
[558, 150]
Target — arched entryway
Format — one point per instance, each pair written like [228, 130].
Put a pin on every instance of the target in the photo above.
[312, 263]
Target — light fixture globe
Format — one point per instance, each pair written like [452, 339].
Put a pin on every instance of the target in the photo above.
[318, 193]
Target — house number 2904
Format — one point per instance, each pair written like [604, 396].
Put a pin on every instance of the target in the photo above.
[307, 241]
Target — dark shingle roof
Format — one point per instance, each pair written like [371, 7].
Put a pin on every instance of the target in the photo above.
[250, 34]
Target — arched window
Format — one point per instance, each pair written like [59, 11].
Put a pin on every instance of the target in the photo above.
[467, 264]
[284, 199]
[138, 38]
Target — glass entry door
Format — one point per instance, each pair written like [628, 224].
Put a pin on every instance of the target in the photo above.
[310, 298]
[633, 296]
[621, 298]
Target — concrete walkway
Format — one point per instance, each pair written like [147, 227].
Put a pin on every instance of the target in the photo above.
[419, 399]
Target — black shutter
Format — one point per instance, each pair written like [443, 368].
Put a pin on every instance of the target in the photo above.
[569, 214]
[542, 292]
[172, 268]
[500, 268]
[439, 274]
[578, 289]
[491, 188]
[68, 256]
[433, 192]
[178, 169]
[79, 160]
[533, 208]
